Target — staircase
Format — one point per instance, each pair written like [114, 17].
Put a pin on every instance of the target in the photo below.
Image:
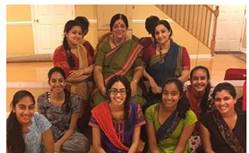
[198, 20]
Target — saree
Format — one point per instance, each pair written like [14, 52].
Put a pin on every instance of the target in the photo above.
[169, 65]
[110, 140]
[121, 60]
[227, 134]
[83, 58]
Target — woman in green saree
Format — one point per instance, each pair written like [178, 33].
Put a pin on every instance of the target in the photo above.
[118, 54]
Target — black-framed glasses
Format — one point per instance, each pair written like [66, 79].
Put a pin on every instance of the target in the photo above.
[116, 91]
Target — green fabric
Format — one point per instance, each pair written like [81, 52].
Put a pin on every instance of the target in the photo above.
[115, 63]
[168, 145]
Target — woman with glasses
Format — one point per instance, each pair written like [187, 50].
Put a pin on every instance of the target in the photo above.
[116, 122]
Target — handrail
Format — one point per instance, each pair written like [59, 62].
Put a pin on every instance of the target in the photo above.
[198, 20]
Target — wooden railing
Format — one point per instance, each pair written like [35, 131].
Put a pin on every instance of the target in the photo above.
[199, 20]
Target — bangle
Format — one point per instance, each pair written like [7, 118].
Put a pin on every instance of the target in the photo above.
[135, 80]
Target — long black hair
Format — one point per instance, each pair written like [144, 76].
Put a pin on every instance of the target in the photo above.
[15, 140]
[68, 26]
[204, 104]
[67, 102]
[183, 104]
[125, 82]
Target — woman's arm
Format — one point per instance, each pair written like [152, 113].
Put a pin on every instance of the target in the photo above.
[81, 74]
[99, 79]
[154, 87]
[205, 138]
[135, 140]
[96, 140]
[48, 142]
[69, 132]
[138, 73]
[186, 133]
[151, 133]
[185, 75]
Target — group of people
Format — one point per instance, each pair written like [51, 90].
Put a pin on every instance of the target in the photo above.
[131, 93]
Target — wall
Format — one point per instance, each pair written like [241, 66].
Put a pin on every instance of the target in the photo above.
[18, 45]
[19, 30]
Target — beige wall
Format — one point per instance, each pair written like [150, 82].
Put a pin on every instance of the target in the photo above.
[19, 36]
[17, 44]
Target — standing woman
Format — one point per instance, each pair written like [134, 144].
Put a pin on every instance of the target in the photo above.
[170, 123]
[27, 131]
[116, 122]
[224, 130]
[118, 55]
[168, 59]
[75, 59]
[62, 109]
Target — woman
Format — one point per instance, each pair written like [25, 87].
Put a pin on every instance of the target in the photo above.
[198, 94]
[75, 59]
[62, 109]
[171, 122]
[117, 55]
[166, 60]
[116, 122]
[27, 131]
[224, 130]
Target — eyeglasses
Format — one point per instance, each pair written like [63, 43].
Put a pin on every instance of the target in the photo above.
[116, 91]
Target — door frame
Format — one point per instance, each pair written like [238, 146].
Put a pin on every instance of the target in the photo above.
[35, 28]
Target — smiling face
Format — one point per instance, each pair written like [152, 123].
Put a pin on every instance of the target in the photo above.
[170, 95]
[224, 102]
[119, 29]
[117, 93]
[74, 35]
[162, 34]
[199, 80]
[24, 110]
[57, 83]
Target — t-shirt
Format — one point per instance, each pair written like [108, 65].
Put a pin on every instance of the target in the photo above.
[169, 144]
[57, 115]
[218, 143]
[33, 139]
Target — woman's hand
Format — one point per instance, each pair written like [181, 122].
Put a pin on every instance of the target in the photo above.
[133, 85]
[57, 147]
[154, 87]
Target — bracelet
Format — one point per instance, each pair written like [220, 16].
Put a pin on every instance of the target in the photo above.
[135, 80]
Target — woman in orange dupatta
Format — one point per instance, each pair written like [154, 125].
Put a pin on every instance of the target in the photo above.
[75, 57]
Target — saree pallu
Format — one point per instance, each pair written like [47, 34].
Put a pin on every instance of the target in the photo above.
[82, 60]
[110, 140]
[227, 134]
[169, 65]
[121, 60]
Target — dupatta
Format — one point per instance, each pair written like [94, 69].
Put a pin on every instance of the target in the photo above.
[109, 136]
[227, 134]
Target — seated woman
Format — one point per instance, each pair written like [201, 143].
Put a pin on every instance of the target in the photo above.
[198, 94]
[224, 130]
[62, 109]
[76, 59]
[170, 123]
[27, 131]
[118, 55]
[167, 59]
[116, 122]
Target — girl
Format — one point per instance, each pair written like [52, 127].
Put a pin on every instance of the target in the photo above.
[27, 131]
